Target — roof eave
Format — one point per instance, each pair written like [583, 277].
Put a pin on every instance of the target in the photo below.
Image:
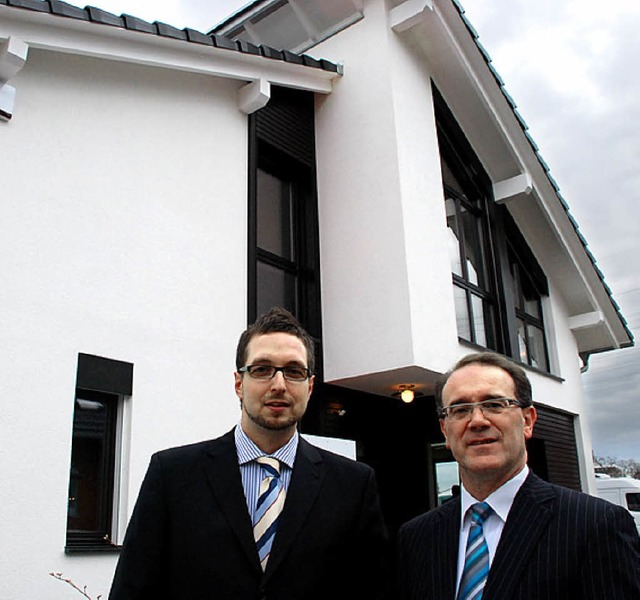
[72, 36]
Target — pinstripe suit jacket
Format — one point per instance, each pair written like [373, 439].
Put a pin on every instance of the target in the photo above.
[557, 544]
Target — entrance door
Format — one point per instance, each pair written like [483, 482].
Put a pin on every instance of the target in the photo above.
[394, 438]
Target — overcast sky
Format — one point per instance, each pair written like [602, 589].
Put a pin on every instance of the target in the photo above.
[572, 67]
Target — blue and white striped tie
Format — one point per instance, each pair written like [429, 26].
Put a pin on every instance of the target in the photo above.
[476, 559]
[268, 507]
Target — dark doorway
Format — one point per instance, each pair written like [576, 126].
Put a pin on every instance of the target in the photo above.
[394, 438]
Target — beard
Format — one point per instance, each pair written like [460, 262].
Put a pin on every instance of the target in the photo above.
[271, 424]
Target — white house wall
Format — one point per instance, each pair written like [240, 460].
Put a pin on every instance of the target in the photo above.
[123, 234]
[386, 280]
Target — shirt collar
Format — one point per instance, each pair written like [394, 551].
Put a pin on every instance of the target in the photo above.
[500, 500]
[248, 451]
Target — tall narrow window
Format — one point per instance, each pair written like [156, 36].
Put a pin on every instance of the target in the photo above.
[276, 249]
[474, 300]
[100, 388]
[528, 291]
[284, 267]
[498, 285]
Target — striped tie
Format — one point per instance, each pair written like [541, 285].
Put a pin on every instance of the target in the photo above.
[268, 508]
[476, 558]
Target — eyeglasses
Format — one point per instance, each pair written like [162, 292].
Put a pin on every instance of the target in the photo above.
[491, 407]
[265, 372]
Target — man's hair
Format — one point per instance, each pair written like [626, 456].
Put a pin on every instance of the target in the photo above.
[491, 359]
[277, 320]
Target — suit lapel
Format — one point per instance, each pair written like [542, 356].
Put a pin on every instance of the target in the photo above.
[528, 519]
[304, 487]
[224, 478]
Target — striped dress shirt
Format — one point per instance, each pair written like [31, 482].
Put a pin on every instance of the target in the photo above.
[251, 471]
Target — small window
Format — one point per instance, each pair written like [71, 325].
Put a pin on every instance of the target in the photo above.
[102, 384]
[91, 479]
[633, 501]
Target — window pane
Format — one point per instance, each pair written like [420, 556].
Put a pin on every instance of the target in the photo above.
[462, 313]
[522, 342]
[538, 356]
[454, 237]
[532, 307]
[633, 501]
[274, 205]
[479, 325]
[275, 287]
[473, 248]
[90, 458]
[449, 179]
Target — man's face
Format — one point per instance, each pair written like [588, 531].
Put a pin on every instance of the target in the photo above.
[273, 405]
[489, 449]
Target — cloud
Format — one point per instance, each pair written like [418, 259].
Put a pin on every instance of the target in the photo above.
[571, 68]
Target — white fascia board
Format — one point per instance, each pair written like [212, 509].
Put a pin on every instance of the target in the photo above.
[71, 36]
[409, 14]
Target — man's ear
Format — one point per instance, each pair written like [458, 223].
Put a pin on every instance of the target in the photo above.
[238, 384]
[530, 418]
[444, 432]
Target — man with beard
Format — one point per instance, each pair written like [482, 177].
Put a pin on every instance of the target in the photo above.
[258, 512]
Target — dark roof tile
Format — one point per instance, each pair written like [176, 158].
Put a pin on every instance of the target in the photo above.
[310, 61]
[292, 58]
[270, 52]
[30, 4]
[223, 42]
[97, 15]
[248, 47]
[197, 37]
[64, 9]
[329, 66]
[171, 32]
[136, 24]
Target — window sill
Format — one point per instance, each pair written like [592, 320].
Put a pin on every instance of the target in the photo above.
[92, 549]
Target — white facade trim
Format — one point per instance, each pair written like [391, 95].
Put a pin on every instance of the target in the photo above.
[409, 14]
[586, 321]
[13, 56]
[49, 32]
[254, 96]
[514, 188]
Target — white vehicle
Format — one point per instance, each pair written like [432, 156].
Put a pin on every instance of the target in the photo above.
[624, 491]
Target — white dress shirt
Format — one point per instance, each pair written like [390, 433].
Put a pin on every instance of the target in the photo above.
[500, 501]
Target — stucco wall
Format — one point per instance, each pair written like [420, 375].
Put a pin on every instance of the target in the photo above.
[123, 234]
[386, 280]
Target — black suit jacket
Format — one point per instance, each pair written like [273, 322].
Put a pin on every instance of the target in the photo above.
[557, 544]
[190, 535]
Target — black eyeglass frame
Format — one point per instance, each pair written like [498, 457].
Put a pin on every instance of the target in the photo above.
[274, 370]
[484, 405]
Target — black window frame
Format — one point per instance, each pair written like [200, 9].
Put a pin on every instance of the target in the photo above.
[104, 382]
[282, 144]
[504, 249]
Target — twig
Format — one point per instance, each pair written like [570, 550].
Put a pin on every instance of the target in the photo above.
[83, 591]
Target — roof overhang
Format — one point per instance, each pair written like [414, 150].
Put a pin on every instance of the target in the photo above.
[41, 30]
[474, 92]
